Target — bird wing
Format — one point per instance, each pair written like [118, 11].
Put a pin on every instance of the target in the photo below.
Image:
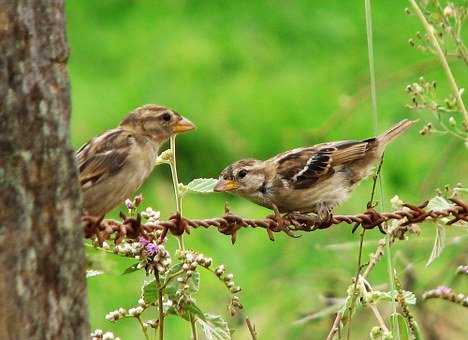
[103, 156]
[304, 167]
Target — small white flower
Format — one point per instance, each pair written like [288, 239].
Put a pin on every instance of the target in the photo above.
[108, 336]
[139, 309]
[141, 302]
[97, 332]
[129, 204]
[220, 270]
[449, 11]
[132, 312]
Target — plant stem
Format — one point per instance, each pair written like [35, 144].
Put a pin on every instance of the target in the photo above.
[178, 198]
[370, 53]
[379, 318]
[435, 42]
[160, 305]
[251, 327]
[194, 328]
[462, 53]
[356, 279]
[143, 328]
[175, 183]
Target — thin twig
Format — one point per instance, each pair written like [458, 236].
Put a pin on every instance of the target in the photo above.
[143, 328]
[160, 306]
[379, 318]
[251, 327]
[443, 60]
[193, 327]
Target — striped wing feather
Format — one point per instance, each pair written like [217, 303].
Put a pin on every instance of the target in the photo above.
[307, 166]
[103, 156]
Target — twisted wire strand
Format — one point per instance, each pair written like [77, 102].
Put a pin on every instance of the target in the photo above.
[230, 223]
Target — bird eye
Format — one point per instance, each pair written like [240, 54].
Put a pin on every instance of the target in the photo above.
[242, 173]
[166, 117]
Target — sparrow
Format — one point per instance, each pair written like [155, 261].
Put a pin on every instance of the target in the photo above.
[113, 165]
[305, 180]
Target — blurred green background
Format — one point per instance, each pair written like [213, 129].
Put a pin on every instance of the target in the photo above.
[260, 77]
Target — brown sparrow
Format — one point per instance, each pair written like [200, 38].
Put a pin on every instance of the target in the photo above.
[311, 179]
[115, 164]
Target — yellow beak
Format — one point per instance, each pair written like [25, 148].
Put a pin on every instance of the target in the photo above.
[226, 185]
[183, 125]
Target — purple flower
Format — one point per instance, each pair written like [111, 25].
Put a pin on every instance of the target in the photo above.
[143, 241]
[151, 248]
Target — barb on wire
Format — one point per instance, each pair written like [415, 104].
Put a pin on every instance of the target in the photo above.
[229, 224]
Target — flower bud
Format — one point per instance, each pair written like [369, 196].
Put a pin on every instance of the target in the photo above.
[449, 11]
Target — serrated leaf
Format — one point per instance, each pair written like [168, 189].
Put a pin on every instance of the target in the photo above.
[150, 291]
[202, 185]
[439, 244]
[214, 327]
[93, 272]
[131, 269]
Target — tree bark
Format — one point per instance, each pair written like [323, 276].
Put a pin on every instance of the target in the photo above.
[42, 264]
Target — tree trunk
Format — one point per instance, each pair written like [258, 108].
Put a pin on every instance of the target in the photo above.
[42, 264]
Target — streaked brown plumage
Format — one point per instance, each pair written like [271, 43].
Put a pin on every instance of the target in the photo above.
[311, 179]
[115, 164]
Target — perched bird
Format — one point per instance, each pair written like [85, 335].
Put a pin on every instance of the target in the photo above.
[115, 164]
[312, 179]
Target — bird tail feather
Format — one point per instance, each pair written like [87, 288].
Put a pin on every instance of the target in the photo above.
[395, 131]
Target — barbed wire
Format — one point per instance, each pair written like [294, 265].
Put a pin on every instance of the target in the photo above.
[229, 224]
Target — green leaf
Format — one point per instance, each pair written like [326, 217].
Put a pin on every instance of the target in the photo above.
[418, 333]
[439, 244]
[174, 285]
[131, 269]
[202, 185]
[187, 309]
[150, 291]
[191, 307]
[378, 296]
[399, 326]
[93, 272]
[214, 327]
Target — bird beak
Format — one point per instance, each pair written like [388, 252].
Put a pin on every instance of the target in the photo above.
[183, 125]
[226, 185]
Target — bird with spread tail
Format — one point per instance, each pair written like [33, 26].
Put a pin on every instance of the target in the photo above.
[312, 179]
[113, 165]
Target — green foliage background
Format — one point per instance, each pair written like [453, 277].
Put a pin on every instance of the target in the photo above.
[260, 77]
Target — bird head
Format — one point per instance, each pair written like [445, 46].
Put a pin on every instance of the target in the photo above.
[245, 178]
[157, 122]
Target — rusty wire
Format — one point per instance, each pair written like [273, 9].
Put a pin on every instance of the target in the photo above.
[230, 223]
